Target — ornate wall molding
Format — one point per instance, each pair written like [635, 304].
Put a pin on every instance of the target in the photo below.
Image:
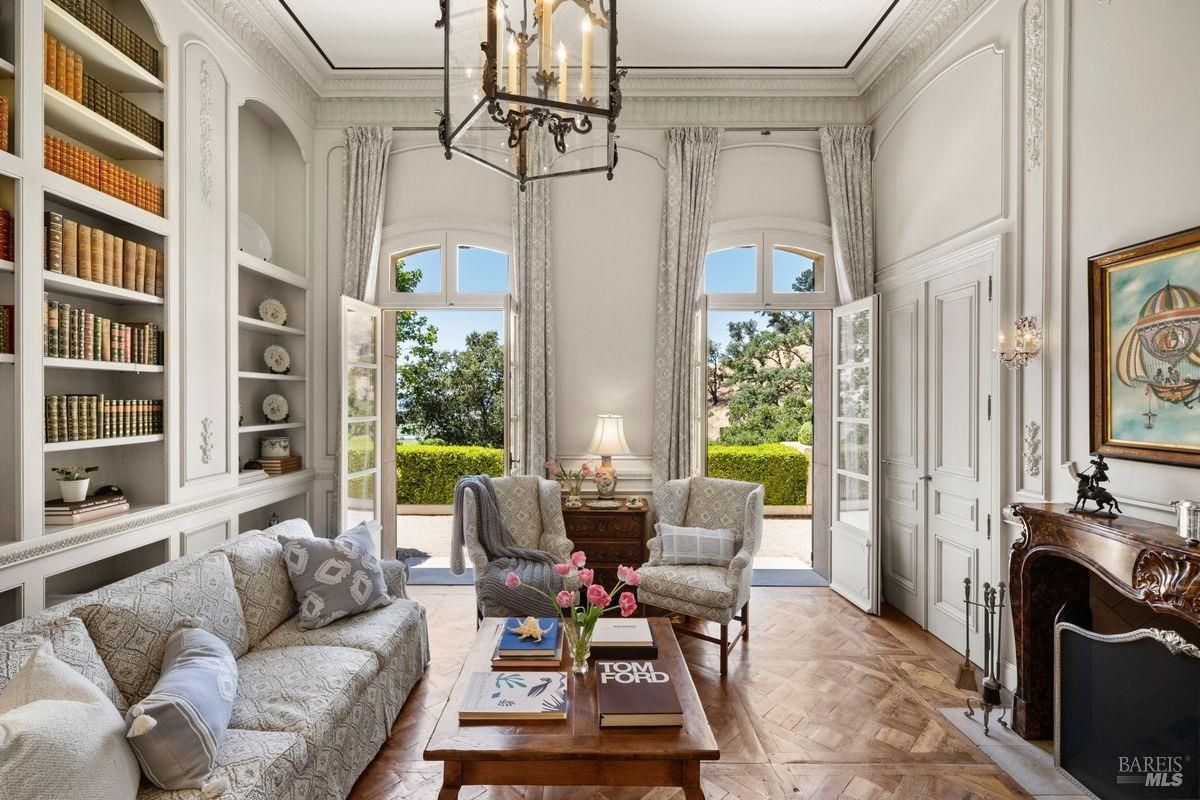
[1032, 449]
[206, 137]
[1168, 578]
[1034, 21]
[206, 440]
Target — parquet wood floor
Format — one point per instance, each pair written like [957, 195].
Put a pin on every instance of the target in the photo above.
[823, 703]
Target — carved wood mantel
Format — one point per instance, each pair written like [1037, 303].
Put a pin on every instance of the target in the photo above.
[1050, 565]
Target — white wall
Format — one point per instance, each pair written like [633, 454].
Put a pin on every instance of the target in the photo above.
[605, 240]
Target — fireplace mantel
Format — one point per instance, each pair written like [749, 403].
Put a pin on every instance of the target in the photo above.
[1050, 565]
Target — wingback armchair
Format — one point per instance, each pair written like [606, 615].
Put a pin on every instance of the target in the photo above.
[531, 513]
[718, 594]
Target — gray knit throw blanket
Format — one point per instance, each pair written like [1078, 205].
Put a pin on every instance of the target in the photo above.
[534, 567]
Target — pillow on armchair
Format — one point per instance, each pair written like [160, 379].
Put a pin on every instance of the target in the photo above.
[696, 546]
[335, 578]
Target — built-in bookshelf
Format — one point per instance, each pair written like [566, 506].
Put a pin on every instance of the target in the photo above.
[9, 383]
[271, 263]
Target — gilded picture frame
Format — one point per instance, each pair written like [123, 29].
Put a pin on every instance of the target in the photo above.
[1144, 310]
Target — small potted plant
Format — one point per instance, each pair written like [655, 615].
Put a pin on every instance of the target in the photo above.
[571, 480]
[73, 482]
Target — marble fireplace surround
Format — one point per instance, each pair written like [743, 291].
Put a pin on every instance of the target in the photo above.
[1052, 563]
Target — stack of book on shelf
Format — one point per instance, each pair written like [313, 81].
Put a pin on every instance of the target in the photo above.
[514, 696]
[82, 417]
[281, 465]
[628, 638]
[64, 69]
[115, 108]
[247, 476]
[7, 333]
[92, 254]
[6, 236]
[112, 30]
[636, 694]
[71, 332]
[517, 651]
[3, 123]
[60, 512]
[101, 174]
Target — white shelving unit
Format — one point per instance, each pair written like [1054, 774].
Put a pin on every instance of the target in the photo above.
[101, 59]
[259, 326]
[78, 287]
[270, 376]
[274, 426]
[273, 271]
[86, 126]
[114, 441]
[99, 366]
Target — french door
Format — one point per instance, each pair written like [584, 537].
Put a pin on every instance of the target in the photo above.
[854, 546]
[359, 485]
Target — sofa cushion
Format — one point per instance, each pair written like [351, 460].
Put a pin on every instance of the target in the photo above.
[257, 765]
[334, 578]
[131, 630]
[384, 632]
[303, 690]
[72, 646]
[696, 584]
[43, 711]
[261, 579]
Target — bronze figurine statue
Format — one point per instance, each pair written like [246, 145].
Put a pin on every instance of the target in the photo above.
[1091, 488]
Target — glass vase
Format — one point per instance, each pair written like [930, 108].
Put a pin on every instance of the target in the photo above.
[580, 648]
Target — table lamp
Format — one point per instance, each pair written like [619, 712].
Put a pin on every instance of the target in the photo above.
[608, 441]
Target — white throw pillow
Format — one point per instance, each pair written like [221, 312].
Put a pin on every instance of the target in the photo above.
[696, 546]
[60, 737]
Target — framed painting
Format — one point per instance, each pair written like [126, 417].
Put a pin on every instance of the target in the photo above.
[1145, 348]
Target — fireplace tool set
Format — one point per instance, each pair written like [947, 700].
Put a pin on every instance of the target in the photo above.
[992, 608]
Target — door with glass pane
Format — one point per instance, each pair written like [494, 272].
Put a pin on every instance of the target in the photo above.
[361, 388]
[855, 551]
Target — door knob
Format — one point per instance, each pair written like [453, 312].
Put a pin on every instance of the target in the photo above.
[925, 478]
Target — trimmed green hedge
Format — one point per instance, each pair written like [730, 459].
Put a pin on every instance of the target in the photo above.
[782, 470]
[426, 474]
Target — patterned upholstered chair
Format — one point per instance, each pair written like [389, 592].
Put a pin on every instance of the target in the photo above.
[531, 513]
[718, 594]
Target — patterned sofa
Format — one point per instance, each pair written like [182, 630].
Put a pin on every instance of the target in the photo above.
[313, 707]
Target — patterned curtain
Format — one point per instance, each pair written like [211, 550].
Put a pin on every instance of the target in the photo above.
[687, 216]
[534, 293]
[366, 167]
[846, 153]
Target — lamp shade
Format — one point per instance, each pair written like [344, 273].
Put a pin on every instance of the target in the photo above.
[609, 439]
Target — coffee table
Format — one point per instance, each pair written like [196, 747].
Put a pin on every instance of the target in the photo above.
[575, 751]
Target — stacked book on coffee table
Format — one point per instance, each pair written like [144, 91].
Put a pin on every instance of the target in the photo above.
[517, 651]
[628, 637]
[636, 694]
[92, 507]
[514, 696]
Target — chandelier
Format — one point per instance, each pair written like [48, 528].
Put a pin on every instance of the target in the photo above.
[532, 87]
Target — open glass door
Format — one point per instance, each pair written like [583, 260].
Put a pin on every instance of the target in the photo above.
[361, 390]
[855, 551]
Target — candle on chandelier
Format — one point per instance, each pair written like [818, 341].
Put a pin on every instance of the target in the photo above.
[513, 70]
[562, 73]
[546, 33]
[499, 39]
[586, 83]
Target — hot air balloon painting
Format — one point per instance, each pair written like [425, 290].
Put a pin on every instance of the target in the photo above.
[1145, 312]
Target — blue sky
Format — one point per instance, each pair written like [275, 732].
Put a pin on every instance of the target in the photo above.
[453, 325]
[734, 270]
[480, 270]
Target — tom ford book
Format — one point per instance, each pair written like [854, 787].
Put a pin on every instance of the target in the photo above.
[636, 694]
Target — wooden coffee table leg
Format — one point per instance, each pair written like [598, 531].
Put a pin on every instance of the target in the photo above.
[451, 780]
[691, 781]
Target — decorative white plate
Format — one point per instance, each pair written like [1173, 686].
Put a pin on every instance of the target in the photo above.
[277, 359]
[272, 311]
[275, 408]
[252, 238]
[603, 503]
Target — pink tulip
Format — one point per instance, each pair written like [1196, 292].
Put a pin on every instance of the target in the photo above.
[597, 596]
[578, 558]
[632, 577]
[511, 580]
[586, 468]
[564, 599]
[627, 603]
[562, 569]
[586, 576]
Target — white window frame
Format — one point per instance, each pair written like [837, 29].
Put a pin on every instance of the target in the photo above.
[814, 240]
[398, 239]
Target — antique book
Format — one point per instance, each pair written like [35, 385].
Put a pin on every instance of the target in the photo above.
[118, 261]
[511, 696]
[139, 282]
[98, 255]
[54, 241]
[109, 260]
[513, 645]
[70, 241]
[635, 693]
[85, 252]
[129, 265]
[87, 516]
[154, 267]
[51, 59]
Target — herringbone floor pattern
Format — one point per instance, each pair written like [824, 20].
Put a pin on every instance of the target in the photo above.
[822, 703]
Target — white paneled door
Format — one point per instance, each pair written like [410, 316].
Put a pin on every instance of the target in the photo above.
[854, 546]
[959, 440]
[359, 485]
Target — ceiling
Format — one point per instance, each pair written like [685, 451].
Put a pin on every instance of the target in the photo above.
[655, 34]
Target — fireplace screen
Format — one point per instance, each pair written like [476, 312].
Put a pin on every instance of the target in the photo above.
[1127, 713]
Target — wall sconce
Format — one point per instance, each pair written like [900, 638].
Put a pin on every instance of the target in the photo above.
[1028, 344]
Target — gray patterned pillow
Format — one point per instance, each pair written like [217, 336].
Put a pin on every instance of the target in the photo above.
[72, 646]
[334, 578]
[176, 730]
[696, 545]
[131, 630]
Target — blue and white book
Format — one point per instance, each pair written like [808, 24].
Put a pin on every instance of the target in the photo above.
[510, 696]
[512, 645]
